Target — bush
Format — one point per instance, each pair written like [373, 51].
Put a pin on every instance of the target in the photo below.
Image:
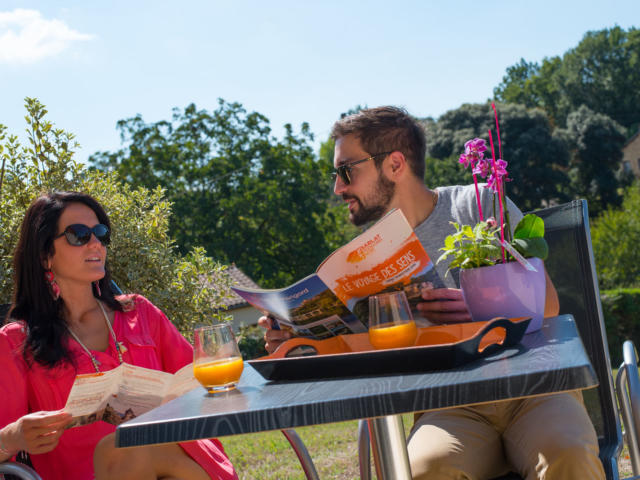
[142, 257]
[251, 342]
[615, 236]
[621, 309]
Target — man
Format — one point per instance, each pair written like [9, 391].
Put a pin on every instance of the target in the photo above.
[379, 159]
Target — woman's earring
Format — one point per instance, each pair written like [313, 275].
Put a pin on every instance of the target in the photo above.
[96, 284]
[51, 280]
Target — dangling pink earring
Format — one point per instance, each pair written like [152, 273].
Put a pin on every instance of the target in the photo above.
[51, 280]
[97, 285]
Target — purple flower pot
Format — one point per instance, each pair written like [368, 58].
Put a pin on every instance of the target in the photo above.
[505, 290]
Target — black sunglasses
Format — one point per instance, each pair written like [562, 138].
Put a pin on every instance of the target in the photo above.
[78, 234]
[344, 170]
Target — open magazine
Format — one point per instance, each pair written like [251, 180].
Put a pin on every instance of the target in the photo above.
[125, 392]
[334, 300]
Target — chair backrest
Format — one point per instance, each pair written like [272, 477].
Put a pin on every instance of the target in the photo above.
[572, 269]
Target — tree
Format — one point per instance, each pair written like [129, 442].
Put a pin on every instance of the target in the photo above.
[537, 159]
[142, 256]
[595, 143]
[602, 72]
[242, 194]
[616, 235]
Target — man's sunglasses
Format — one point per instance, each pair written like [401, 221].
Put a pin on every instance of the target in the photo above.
[344, 170]
[78, 234]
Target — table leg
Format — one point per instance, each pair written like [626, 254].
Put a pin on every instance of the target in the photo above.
[389, 448]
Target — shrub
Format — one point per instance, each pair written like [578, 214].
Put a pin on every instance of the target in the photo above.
[141, 256]
[621, 309]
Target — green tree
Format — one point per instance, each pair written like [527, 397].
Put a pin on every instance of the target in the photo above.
[537, 159]
[595, 143]
[615, 236]
[242, 194]
[142, 256]
[601, 72]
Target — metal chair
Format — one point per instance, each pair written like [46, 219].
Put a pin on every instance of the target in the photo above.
[628, 390]
[571, 267]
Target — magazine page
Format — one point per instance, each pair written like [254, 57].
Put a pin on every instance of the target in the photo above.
[125, 392]
[307, 308]
[388, 256]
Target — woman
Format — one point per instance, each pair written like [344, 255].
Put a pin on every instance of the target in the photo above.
[71, 323]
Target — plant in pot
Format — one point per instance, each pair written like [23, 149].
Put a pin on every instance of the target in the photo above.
[501, 273]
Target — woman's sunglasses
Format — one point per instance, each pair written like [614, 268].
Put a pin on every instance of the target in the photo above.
[78, 234]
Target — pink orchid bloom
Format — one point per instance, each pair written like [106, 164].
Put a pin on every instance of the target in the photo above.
[482, 168]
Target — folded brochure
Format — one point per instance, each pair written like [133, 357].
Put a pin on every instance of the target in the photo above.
[334, 300]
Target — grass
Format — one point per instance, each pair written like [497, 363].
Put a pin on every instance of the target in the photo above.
[268, 455]
[333, 447]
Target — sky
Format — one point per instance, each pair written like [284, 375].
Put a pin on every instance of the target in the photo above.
[94, 63]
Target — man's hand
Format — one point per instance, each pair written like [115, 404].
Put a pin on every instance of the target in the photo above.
[272, 338]
[444, 305]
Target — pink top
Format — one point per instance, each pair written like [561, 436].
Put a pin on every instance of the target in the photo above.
[151, 341]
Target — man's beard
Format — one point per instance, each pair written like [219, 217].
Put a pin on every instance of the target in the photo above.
[377, 203]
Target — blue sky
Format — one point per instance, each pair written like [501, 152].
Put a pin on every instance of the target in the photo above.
[94, 63]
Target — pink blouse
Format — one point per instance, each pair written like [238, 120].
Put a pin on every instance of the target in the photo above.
[151, 341]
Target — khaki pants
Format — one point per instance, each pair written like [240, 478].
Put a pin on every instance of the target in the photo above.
[547, 437]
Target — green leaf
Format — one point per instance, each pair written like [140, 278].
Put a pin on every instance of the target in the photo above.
[531, 226]
[532, 247]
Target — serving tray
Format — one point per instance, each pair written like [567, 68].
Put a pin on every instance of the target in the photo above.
[437, 348]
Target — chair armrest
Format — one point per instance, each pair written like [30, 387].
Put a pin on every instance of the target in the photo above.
[19, 470]
[628, 392]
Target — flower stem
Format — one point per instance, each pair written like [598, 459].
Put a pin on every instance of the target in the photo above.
[498, 185]
[475, 182]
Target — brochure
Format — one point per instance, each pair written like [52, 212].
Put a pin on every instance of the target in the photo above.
[334, 300]
[124, 393]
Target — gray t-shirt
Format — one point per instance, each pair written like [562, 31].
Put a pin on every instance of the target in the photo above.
[457, 204]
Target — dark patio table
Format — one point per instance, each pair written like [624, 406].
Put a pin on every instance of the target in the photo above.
[550, 360]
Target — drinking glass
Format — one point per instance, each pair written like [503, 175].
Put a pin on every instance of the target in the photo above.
[391, 324]
[217, 363]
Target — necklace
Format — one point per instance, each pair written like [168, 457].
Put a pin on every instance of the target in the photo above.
[120, 348]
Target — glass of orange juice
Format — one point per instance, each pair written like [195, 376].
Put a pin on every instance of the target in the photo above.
[391, 324]
[217, 363]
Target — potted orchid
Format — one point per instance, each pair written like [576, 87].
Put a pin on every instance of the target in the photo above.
[502, 272]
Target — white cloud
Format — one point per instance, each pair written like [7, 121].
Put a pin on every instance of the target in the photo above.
[26, 37]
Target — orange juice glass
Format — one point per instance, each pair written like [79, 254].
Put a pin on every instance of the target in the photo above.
[391, 324]
[217, 363]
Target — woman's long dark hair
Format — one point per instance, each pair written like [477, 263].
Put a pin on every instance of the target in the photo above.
[33, 302]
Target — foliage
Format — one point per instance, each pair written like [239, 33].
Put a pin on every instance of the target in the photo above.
[251, 341]
[472, 247]
[142, 256]
[621, 310]
[444, 171]
[602, 73]
[615, 237]
[479, 246]
[595, 142]
[537, 159]
[242, 194]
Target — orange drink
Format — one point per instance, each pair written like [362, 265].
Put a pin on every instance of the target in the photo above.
[393, 335]
[391, 324]
[219, 373]
[217, 363]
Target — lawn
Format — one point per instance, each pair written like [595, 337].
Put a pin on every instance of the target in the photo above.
[333, 447]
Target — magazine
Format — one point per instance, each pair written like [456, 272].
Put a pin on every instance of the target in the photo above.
[125, 392]
[334, 300]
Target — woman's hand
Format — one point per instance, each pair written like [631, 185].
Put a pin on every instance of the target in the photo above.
[444, 305]
[37, 432]
[272, 338]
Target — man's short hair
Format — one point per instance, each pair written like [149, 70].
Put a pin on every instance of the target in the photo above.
[386, 129]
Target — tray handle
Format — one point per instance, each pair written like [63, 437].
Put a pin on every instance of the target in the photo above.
[513, 334]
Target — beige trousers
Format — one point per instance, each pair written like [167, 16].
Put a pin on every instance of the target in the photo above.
[548, 437]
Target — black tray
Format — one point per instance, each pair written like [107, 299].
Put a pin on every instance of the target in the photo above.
[420, 358]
